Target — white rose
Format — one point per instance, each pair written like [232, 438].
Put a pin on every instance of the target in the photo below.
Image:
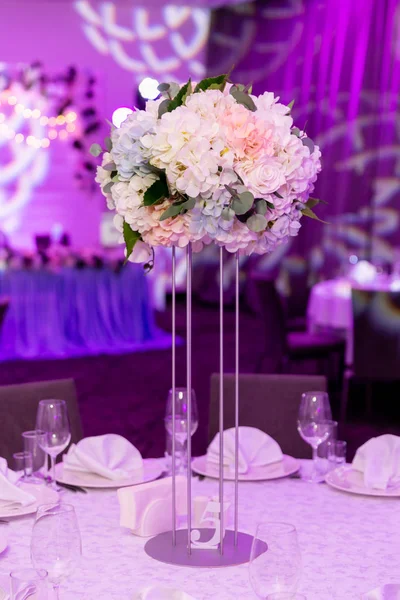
[262, 177]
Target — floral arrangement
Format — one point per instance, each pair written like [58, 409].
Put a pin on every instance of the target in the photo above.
[210, 163]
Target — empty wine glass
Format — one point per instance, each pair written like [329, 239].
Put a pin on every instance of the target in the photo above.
[181, 421]
[315, 425]
[275, 560]
[53, 430]
[56, 542]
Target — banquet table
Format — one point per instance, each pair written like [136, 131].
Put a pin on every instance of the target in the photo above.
[75, 312]
[330, 307]
[350, 544]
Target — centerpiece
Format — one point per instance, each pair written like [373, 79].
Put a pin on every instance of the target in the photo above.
[207, 163]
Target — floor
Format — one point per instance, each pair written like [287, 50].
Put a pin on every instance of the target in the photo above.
[126, 394]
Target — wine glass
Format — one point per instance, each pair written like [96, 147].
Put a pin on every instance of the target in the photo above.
[53, 430]
[181, 421]
[315, 425]
[56, 542]
[275, 559]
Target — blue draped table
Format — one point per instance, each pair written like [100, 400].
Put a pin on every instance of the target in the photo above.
[77, 312]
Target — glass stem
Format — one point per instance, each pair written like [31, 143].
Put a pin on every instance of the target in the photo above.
[315, 457]
[53, 473]
[56, 589]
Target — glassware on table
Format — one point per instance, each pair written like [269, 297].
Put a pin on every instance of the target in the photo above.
[181, 433]
[323, 465]
[315, 425]
[23, 462]
[337, 450]
[28, 583]
[53, 429]
[277, 569]
[31, 444]
[56, 542]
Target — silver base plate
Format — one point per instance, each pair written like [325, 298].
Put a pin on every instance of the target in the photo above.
[160, 548]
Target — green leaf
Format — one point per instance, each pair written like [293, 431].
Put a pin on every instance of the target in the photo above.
[311, 202]
[261, 207]
[215, 83]
[270, 205]
[242, 98]
[227, 214]
[156, 192]
[308, 212]
[172, 211]
[309, 143]
[115, 178]
[108, 144]
[257, 223]
[295, 131]
[95, 150]
[107, 187]
[163, 107]
[163, 87]
[130, 238]
[277, 194]
[189, 204]
[290, 106]
[110, 166]
[316, 200]
[232, 191]
[180, 97]
[243, 203]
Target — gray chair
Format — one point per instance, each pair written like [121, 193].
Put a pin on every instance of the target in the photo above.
[18, 406]
[268, 402]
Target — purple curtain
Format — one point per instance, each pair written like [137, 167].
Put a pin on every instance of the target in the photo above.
[340, 62]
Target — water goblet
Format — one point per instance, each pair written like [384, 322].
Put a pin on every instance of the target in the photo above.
[56, 542]
[181, 422]
[53, 430]
[278, 568]
[315, 425]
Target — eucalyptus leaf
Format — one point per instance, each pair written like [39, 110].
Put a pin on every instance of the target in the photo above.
[172, 211]
[309, 143]
[95, 150]
[215, 83]
[257, 223]
[156, 192]
[232, 191]
[179, 98]
[111, 166]
[108, 144]
[295, 131]
[227, 214]
[243, 98]
[261, 207]
[308, 212]
[130, 238]
[174, 89]
[107, 187]
[164, 87]
[163, 107]
[243, 203]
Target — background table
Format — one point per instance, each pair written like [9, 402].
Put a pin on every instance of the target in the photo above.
[75, 312]
[350, 544]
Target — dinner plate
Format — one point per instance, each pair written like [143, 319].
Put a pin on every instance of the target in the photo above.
[285, 467]
[346, 479]
[161, 593]
[390, 591]
[43, 495]
[3, 540]
[151, 471]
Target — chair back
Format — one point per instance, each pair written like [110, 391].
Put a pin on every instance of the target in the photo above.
[376, 328]
[268, 402]
[4, 304]
[271, 310]
[18, 407]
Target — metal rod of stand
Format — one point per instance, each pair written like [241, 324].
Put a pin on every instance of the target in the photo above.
[189, 389]
[236, 516]
[173, 397]
[221, 397]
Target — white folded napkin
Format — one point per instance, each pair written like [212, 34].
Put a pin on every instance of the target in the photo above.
[379, 460]
[256, 449]
[110, 456]
[363, 272]
[10, 494]
[146, 509]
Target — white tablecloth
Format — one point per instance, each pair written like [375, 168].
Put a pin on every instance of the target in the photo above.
[350, 544]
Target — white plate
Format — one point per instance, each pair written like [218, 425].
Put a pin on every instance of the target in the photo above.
[346, 479]
[151, 471]
[283, 468]
[43, 495]
[161, 593]
[390, 591]
[3, 540]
